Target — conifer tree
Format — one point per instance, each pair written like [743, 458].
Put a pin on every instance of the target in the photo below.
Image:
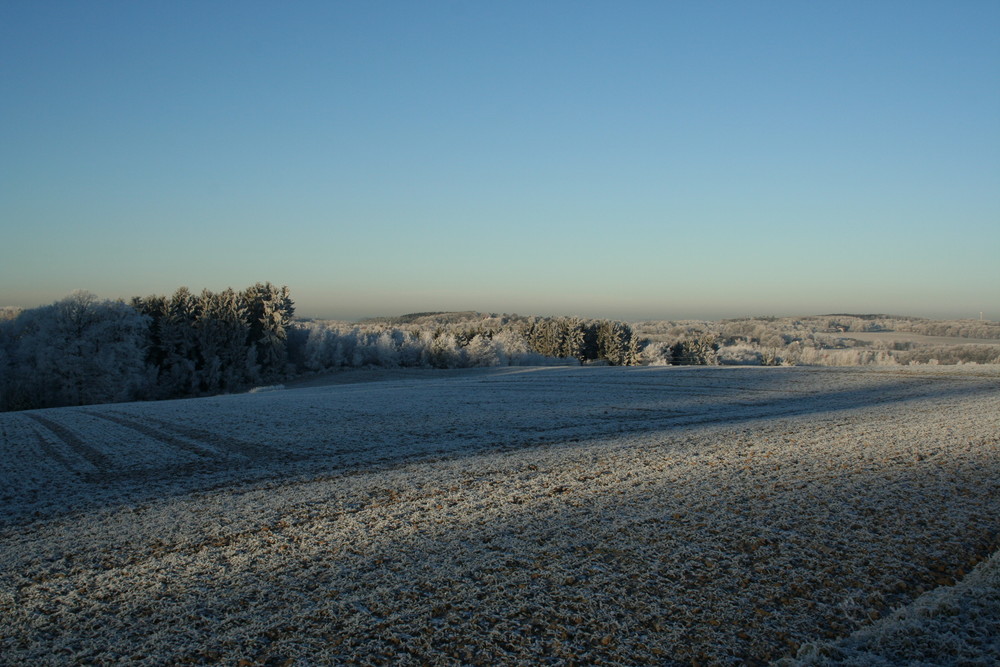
[270, 311]
[223, 330]
[633, 351]
[572, 339]
[178, 340]
[611, 342]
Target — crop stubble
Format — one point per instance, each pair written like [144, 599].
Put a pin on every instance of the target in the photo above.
[563, 516]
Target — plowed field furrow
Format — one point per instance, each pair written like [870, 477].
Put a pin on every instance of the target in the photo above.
[73, 441]
[229, 445]
[200, 450]
[52, 452]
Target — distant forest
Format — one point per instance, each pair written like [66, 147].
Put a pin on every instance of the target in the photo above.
[83, 350]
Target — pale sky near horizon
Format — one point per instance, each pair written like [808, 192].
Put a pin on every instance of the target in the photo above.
[636, 160]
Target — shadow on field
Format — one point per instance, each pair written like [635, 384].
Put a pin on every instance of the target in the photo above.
[592, 552]
[453, 415]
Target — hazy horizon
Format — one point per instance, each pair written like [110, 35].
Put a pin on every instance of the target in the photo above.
[637, 161]
[693, 313]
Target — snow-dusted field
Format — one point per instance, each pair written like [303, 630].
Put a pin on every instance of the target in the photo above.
[504, 516]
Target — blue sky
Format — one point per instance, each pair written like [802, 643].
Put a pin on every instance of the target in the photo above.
[626, 159]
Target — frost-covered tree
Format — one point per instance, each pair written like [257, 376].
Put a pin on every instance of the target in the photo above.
[633, 351]
[482, 352]
[226, 361]
[155, 308]
[512, 349]
[199, 344]
[657, 354]
[364, 353]
[387, 349]
[410, 349]
[77, 351]
[541, 336]
[613, 342]
[572, 338]
[178, 338]
[701, 351]
[270, 312]
[320, 344]
[443, 351]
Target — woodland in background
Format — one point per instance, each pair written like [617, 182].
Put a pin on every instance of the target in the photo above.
[827, 340]
[83, 350]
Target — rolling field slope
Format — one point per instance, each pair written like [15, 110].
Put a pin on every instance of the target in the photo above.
[503, 516]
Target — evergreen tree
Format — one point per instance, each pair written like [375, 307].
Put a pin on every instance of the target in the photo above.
[700, 351]
[155, 308]
[178, 339]
[611, 342]
[572, 338]
[270, 311]
[591, 349]
[633, 351]
[225, 359]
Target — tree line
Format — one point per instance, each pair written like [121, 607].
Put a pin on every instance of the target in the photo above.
[823, 340]
[469, 341]
[82, 350]
[216, 341]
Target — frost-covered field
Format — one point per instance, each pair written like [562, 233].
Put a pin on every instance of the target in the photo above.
[504, 516]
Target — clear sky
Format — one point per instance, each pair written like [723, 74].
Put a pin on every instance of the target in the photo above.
[607, 159]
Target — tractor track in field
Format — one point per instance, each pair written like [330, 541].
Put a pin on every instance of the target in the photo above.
[582, 516]
[73, 441]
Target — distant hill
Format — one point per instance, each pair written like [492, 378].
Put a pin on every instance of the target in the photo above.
[430, 318]
[873, 316]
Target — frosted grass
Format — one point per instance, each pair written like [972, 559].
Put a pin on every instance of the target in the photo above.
[559, 516]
